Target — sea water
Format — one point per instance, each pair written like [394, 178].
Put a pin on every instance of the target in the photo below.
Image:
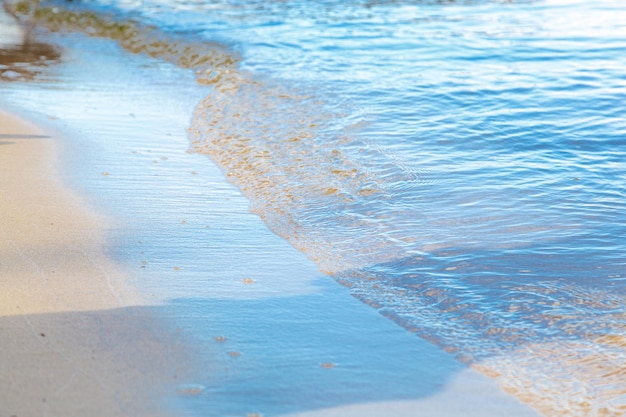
[458, 166]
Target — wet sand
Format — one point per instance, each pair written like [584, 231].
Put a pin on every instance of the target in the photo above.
[79, 340]
[76, 339]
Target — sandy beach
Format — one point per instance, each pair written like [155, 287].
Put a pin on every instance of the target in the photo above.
[78, 340]
[134, 281]
[255, 209]
[74, 340]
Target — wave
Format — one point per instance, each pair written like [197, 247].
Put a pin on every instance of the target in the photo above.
[212, 62]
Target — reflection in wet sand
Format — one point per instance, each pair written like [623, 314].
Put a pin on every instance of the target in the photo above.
[26, 61]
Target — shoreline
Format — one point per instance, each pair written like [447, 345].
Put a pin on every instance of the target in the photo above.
[144, 311]
[80, 341]
[138, 277]
[76, 338]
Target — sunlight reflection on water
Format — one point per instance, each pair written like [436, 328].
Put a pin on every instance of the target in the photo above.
[459, 167]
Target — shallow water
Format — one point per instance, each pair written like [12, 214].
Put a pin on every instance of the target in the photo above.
[459, 166]
[263, 330]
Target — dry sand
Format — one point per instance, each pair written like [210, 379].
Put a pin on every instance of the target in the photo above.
[52, 245]
[75, 340]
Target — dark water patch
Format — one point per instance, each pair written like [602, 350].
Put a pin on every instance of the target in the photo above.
[26, 61]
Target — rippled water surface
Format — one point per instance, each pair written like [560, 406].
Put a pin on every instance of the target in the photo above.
[459, 165]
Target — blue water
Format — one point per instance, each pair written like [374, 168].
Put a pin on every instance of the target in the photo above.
[458, 165]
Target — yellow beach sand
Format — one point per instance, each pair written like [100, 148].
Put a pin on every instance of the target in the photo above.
[51, 243]
[74, 339]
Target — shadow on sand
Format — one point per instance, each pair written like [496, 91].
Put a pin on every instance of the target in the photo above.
[216, 357]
